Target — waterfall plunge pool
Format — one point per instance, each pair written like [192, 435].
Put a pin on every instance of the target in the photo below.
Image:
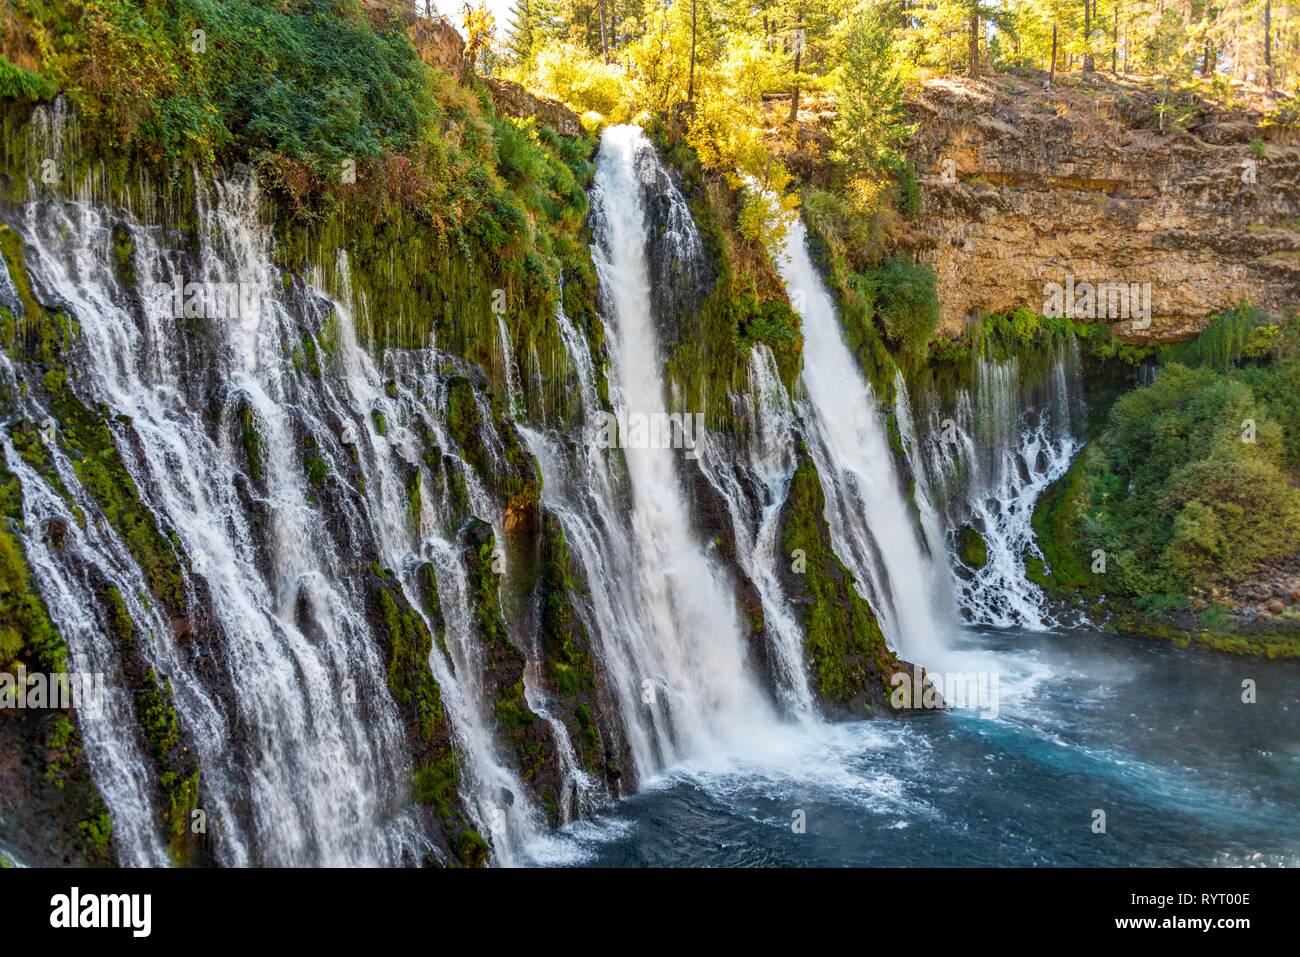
[1155, 736]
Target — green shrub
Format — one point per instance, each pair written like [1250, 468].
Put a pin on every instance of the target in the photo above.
[17, 83]
[904, 297]
[1232, 336]
[1188, 484]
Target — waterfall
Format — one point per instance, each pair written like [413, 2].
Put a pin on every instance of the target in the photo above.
[511, 370]
[116, 759]
[280, 688]
[296, 470]
[292, 772]
[496, 797]
[754, 482]
[662, 611]
[1004, 442]
[871, 522]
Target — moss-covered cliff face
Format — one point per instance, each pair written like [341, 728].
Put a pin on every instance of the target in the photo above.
[851, 664]
[40, 340]
[409, 636]
[47, 783]
[731, 299]
[579, 688]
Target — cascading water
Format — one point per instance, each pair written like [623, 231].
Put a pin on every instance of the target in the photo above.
[416, 401]
[754, 487]
[298, 740]
[664, 616]
[871, 523]
[1005, 442]
[306, 779]
[116, 759]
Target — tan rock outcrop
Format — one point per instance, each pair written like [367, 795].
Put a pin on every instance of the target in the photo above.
[1025, 186]
[513, 100]
[440, 45]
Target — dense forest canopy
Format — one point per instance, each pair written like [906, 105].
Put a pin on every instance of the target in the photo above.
[733, 77]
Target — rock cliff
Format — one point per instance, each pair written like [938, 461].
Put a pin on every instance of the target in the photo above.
[1024, 186]
[441, 46]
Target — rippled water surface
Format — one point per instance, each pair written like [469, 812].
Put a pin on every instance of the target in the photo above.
[1155, 736]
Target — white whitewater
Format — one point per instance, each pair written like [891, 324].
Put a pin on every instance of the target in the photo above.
[695, 657]
[766, 464]
[1004, 445]
[496, 799]
[299, 743]
[872, 525]
[117, 761]
[313, 771]
[664, 613]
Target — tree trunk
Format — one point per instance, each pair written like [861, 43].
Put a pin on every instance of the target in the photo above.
[1268, 43]
[973, 57]
[690, 84]
[1051, 77]
[604, 38]
[798, 58]
[1088, 63]
[1114, 42]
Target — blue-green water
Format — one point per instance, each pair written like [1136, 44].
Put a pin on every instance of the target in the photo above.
[1155, 736]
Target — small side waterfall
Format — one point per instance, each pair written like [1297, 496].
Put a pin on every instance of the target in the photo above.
[754, 483]
[872, 525]
[988, 460]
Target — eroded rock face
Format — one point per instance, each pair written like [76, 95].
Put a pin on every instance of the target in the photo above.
[1025, 186]
[513, 100]
[441, 45]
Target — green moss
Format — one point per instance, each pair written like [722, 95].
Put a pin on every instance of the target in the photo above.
[414, 505]
[19, 84]
[253, 443]
[564, 640]
[181, 795]
[25, 626]
[850, 659]
[472, 849]
[178, 777]
[120, 625]
[123, 257]
[435, 779]
[99, 467]
[972, 548]
[409, 677]
[1217, 630]
[1066, 567]
[67, 771]
[63, 752]
[97, 832]
[436, 785]
[310, 356]
[381, 423]
[318, 470]
[518, 725]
